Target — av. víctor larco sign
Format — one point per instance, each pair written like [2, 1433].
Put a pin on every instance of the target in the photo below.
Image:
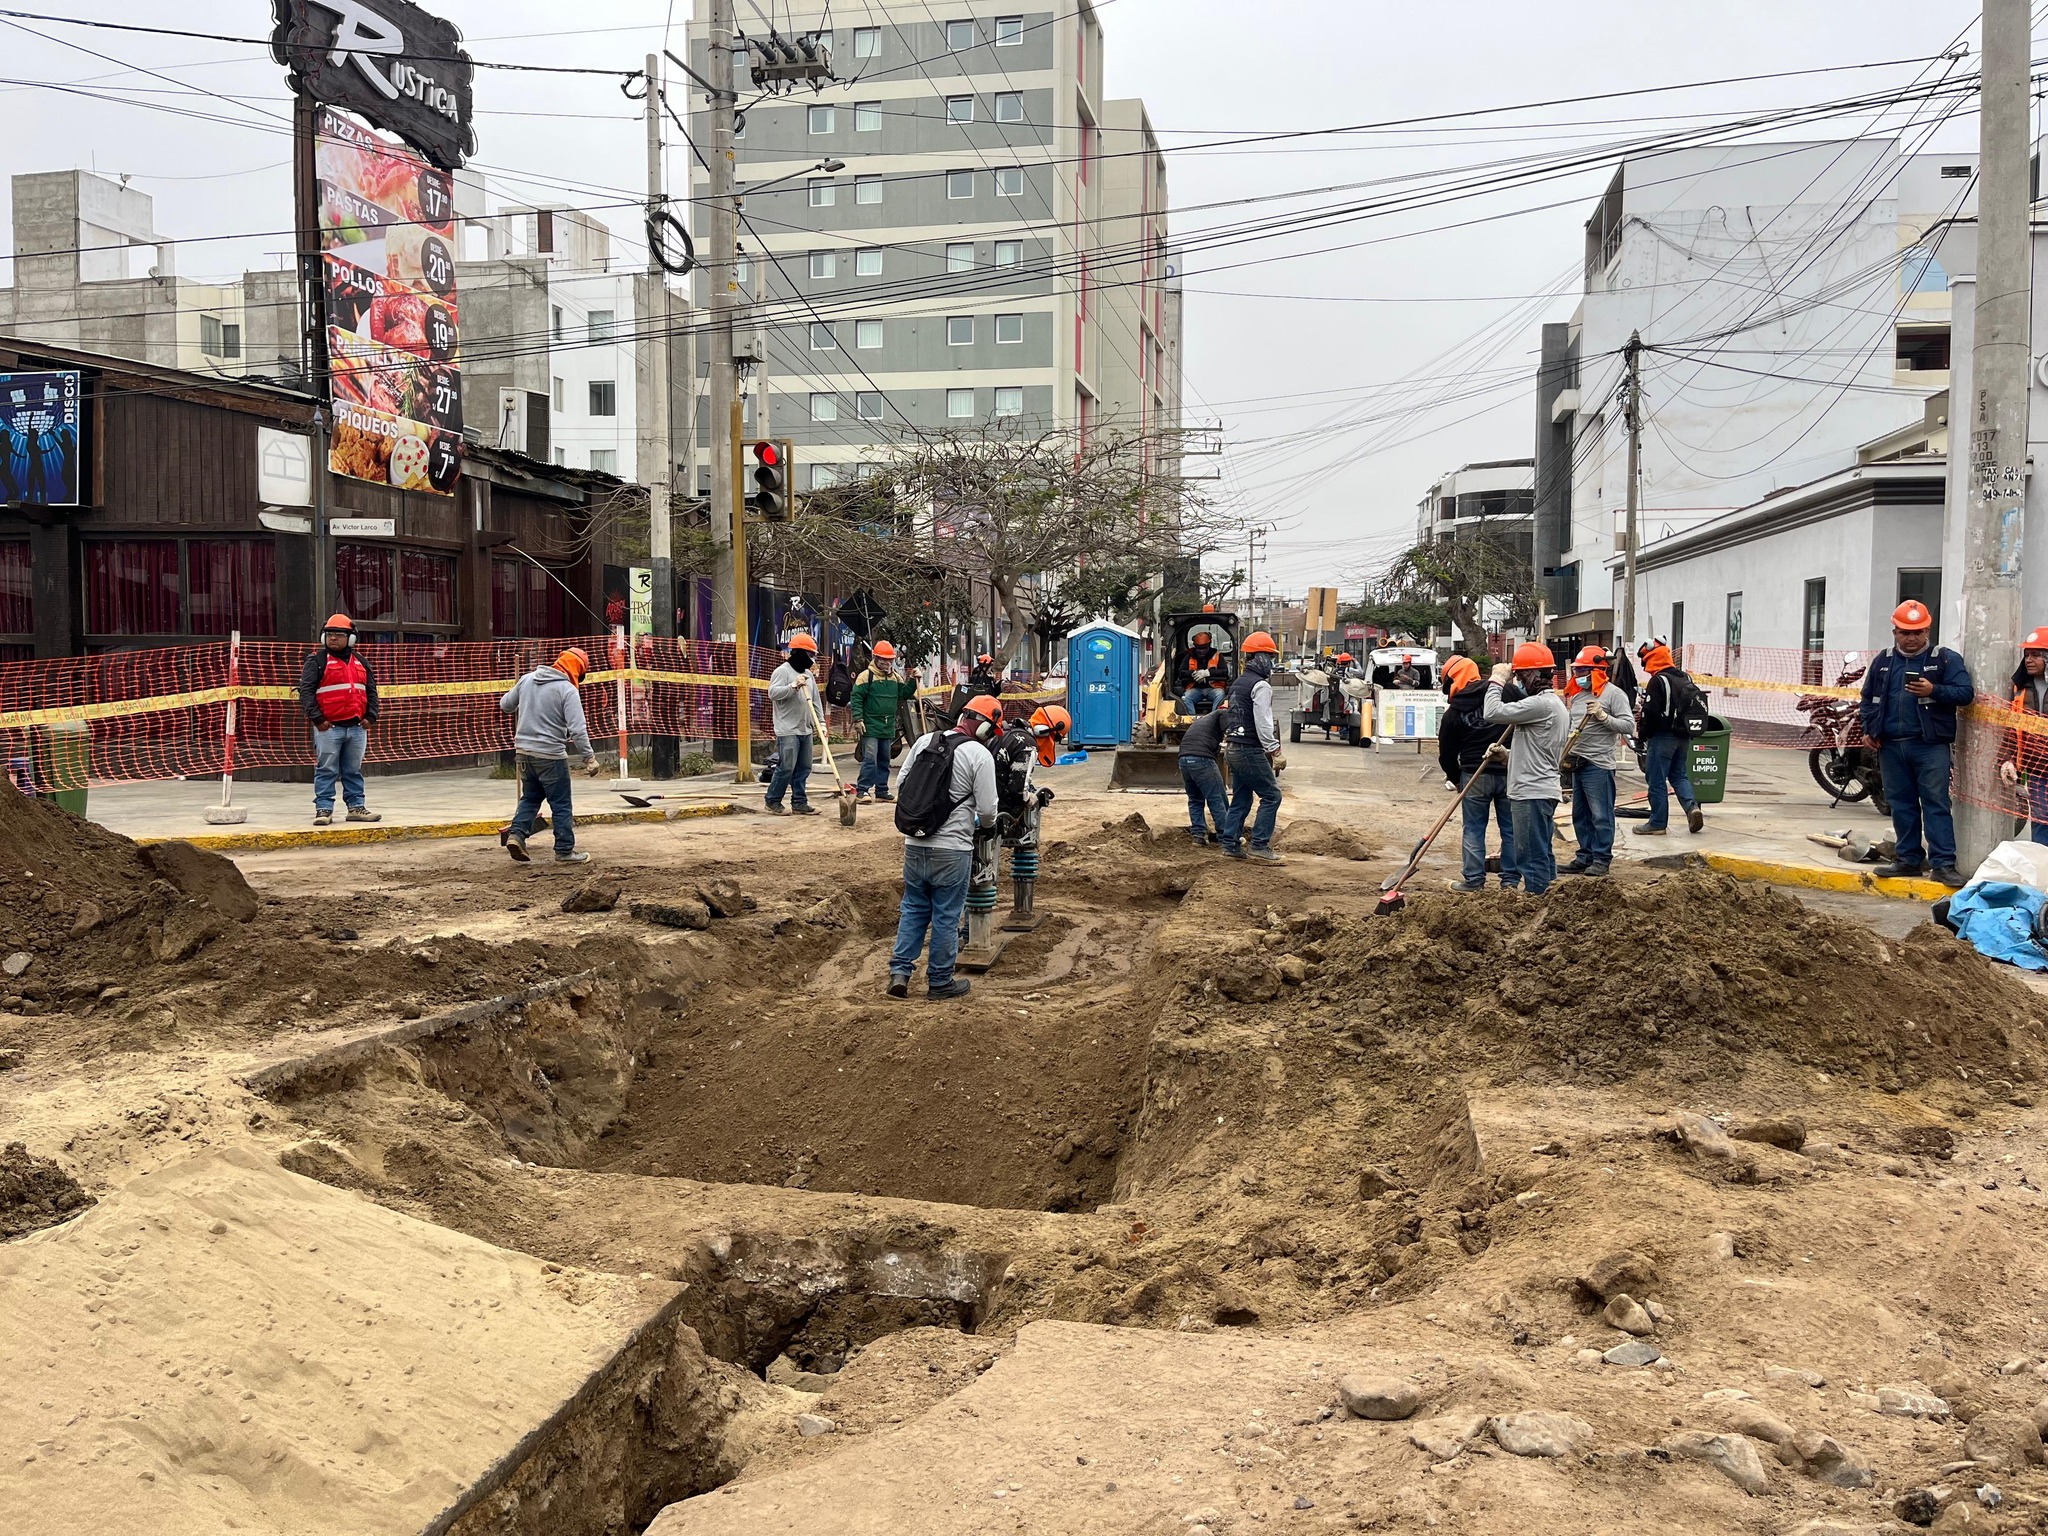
[389, 62]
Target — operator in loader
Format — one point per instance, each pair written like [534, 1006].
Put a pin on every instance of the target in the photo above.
[1203, 675]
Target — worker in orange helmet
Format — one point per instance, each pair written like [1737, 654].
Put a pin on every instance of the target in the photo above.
[796, 709]
[1253, 741]
[2023, 751]
[1463, 740]
[1602, 721]
[877, 703]
[338, 696]
[1911, 693]
[946, 801]
[548, 711]
[1519, 694]
[1050, 724]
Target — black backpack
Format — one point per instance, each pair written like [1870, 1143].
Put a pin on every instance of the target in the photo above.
[925, 798]
[1688, 703]
[839, 686]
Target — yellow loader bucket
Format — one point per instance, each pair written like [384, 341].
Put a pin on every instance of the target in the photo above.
[1153, 769]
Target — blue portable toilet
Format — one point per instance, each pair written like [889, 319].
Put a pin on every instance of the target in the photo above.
[1102, 684]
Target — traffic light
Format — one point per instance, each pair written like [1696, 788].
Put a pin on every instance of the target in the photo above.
[774, 464]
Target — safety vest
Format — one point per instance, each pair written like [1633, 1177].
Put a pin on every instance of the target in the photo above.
[1242, 729]
[344, 691]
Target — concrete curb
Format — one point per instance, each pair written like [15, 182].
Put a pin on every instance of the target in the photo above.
[1854, 881]
[363, 833]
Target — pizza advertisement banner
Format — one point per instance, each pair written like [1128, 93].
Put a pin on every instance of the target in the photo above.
[388, 238]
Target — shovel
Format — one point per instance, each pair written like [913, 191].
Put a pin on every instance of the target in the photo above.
[1391, 898]
[849, 805]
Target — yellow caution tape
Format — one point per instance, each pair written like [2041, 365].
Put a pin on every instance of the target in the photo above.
[1996, 715]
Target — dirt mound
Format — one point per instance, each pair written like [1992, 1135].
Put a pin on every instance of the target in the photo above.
[35, 1193]
[1687, 974]
[1321, 838]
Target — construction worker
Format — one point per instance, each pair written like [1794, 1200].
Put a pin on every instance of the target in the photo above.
[548, 712]
[1602, 719]
[1670, 705]
[2023, 752]
[793, 697]
[1911, 693]
[338, 695]
[1201, 775]
[878, 695]
[947, 796]
[1050, 724]
[1405, 676]
[1541, 724]
[1254, 746]
[984, 678]
[1462, 740]
[1203, 676]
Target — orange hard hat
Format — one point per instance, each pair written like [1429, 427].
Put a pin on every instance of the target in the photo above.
[1533, 656]
[2037, 640]
[1591, 656]
[1912, 615]
[574, 662]
[884, 651]
[340, 621]
[1460, 671]
[1054, 718]
[983, 659]
[802, 642]
[1201, 637]
[1259, 641]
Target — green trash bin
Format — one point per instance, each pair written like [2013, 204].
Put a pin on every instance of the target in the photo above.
[1706, 761]
[67, 764]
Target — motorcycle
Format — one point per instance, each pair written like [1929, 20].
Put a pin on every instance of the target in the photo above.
[1844, 764]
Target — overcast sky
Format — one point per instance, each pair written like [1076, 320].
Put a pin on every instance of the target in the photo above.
[1283, 336]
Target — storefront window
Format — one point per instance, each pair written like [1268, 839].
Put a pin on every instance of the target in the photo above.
[429, 587]
[527, 601]
[17, 601]
[131, 587]
[364, 581]
[233, 585]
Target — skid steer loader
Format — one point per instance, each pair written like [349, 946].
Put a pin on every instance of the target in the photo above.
[1152, 763]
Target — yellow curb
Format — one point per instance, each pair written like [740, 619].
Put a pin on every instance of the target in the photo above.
[1825, 879]
[344, 837]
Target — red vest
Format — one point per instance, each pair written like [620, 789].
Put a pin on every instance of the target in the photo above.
[344, 691]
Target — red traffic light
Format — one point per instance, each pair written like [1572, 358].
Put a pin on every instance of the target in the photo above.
[766, 454]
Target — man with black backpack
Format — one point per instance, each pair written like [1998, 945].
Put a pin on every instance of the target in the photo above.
[1670, 713]
[947, 793]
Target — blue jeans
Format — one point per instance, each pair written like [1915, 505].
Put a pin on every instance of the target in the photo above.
[792, 770]
[1535, 855]
[2037, 806]
[1916, 783]
[1203, 780]
[338, 753]
[1593, 813]
[545, 778]
[934, 896]
[1490, 798]
[1251, 773]
[1200, 699]
[1664, 762]
[875, 752]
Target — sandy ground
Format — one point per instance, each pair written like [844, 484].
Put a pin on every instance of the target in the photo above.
[1089, 1252]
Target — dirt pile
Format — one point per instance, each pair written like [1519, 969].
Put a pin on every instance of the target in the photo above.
[1689, 973]
[1321, 838]
[35, 1193]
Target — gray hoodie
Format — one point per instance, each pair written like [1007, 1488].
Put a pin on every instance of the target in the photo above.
[1541, 724]
[550, 715]
[788, 689]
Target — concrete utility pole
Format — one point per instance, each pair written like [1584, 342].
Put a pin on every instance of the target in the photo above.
[1994, 512]
[660, 475]
[722, 296]
[1632, 417]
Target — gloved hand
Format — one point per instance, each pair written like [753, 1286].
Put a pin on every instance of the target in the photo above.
[2010, 772]
[1452, 786]
[1497, 753]
[1502, 675]
[1595, 712]
[1278, 760]
[590, 765]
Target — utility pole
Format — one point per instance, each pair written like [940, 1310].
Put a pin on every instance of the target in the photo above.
[659, 476]
[1632, 418]
[1995, 509]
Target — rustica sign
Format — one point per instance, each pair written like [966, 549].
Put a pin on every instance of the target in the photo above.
[387, 61]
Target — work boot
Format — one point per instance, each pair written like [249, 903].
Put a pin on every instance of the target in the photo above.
[804, 810]
[899, 984]
[959, 986]
[1950, 876]
[1576, 867]
[1595, 870]
[1650, 832]
[362, 813]
[863, 798]
[573, 856]
[1234, 851]
[1896, 871]
[323, 818]
[1460, 885]
[774, 810]
[883, 797]
[515, 844]
[1265, 856]
[1694, 820]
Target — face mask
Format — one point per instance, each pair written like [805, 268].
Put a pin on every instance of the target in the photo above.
[801, 660]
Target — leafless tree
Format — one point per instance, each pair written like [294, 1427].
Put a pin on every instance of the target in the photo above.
[1463, 575]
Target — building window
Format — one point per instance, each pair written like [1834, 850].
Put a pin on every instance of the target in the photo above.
[867, 42]
[1733, 633]
[822, 339]
[1009, 106]
[959, 35]
[867, 334]
[824, 407]
[605, 460]
[742, 272]
[1010, 181]
[959, 109]
[823, 192]
[1677, 629]
[959, 184]
[604, 397]
[1010, 400]
[867, 189]
[1921, 271]
[867, 405]
[867, 117]
[560, 395]
[1009, 31]
[131, 587]
[824, 264]
[1814, 632]
[824, 476]
[219, 340]
[528, 601]
[1922, 349]
[601, 324]
[821, 120]
[1009, 252]
[427, 588]
[17, 601]
[960, 404]
[1923, 586]
[559, 333]
[867, 263]
[959, 330]
[233, 585]
[366, 582]
[823, 39]
[1009, 329]
[960, 258]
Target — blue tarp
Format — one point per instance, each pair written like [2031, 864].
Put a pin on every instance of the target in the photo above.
[1997, 920]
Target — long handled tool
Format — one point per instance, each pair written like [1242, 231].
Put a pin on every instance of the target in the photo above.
[1391, 898]
[848, 802]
